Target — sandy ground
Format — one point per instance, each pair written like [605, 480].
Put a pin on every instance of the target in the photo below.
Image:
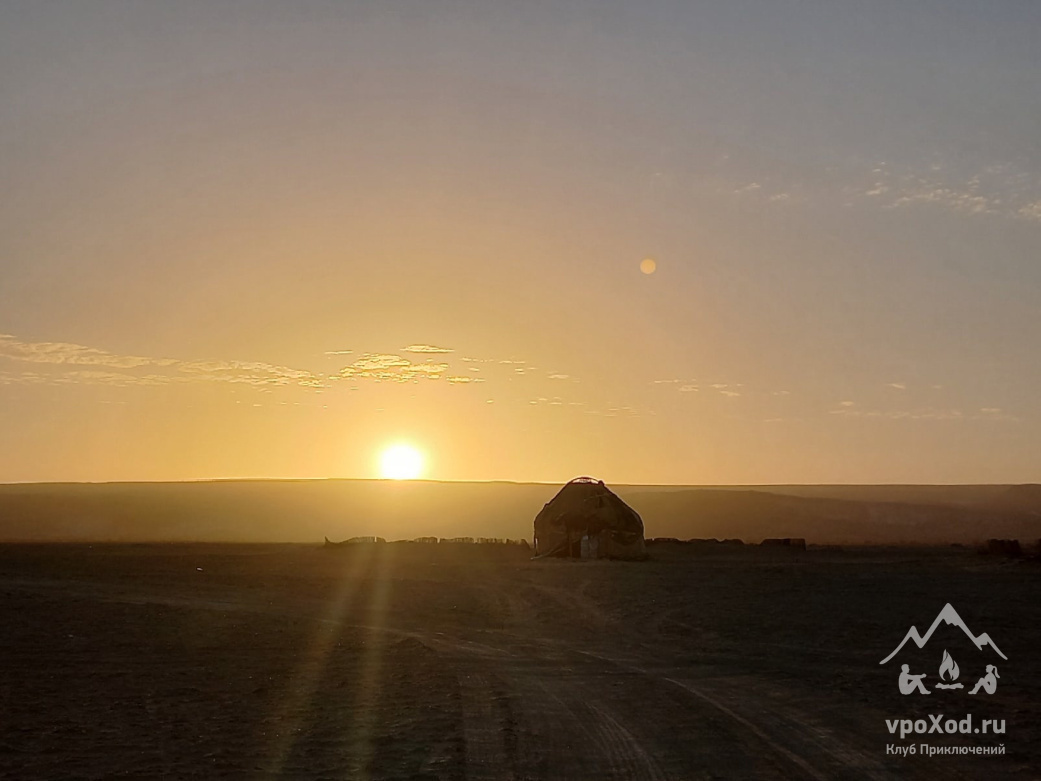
[452, 662]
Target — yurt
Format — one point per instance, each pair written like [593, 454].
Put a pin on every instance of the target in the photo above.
[585, 520]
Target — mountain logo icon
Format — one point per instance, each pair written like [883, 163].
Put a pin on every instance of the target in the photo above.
[950, 617]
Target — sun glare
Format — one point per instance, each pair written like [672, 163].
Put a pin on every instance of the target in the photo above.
[401, 462]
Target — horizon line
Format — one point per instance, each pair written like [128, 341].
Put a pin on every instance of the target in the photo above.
[506, 481]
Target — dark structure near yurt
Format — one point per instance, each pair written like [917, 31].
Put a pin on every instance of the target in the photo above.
[585, 520]
[1009, 548]
[796, 543]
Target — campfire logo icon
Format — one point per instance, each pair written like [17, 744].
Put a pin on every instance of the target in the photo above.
[949, 670]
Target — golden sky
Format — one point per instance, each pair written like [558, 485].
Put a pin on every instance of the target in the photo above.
[273, 239]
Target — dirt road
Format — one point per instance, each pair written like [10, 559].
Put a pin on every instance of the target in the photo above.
[407, 662]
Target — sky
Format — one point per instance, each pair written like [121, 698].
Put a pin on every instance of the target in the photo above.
[260, 239]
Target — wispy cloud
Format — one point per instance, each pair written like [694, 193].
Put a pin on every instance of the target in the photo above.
[124, 379]
[392, 368]
[69, 353]
[727, 389]
[23, 378]
[997, 189]
[897, 385]
[995, 413]
[425, 348]
[116, 379]
[927, 413]
[68, 363]
[1031, 211]
[249, 373]
[967, 200]
[771, 192]
[555, 401]
[965, 185]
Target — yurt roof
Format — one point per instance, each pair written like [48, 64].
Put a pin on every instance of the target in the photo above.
[576, 504]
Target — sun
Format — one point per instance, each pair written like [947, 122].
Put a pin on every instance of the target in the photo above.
[401, 462]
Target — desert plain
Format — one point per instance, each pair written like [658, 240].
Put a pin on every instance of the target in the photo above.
[456, 661]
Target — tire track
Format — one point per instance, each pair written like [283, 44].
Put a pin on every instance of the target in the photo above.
[488, 753]
[776, 728]
[638, 761]
[577, 738]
